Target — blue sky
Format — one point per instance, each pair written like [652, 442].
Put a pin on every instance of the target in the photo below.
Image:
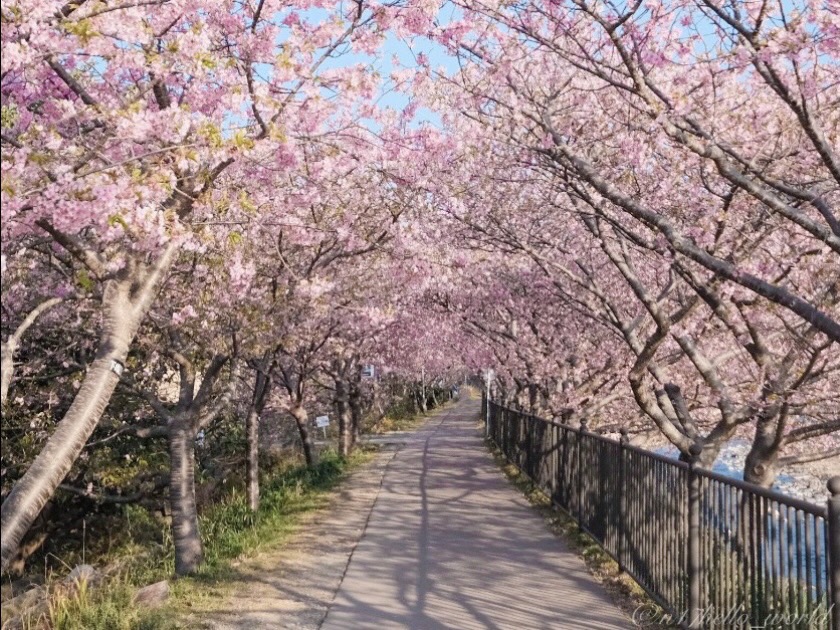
[404, 51]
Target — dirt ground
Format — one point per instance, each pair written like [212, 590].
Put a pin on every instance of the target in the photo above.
[293, 586]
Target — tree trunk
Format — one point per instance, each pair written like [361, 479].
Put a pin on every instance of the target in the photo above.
[761, 465]
[302, 420]
[252, 459]
[355, 400]
[47, 471]
[126, 300]
[342, 407]
[707, 456]
[185, 533]
[532, 398]
[262, 385]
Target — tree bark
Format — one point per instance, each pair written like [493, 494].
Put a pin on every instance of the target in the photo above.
[342, 407]
[262, 386]
[252, 459]
[185, 532]
[356, 415]
[302, 420]
[193, 412]
[126, 301]
[761, 465]
[532, 398]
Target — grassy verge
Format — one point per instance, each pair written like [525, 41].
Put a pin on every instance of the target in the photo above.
[625, 592]
[403, 418]
[229, 531]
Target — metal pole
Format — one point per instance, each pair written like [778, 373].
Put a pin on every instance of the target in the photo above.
[622, 491]
[694, 563]
[583, 428]
[834, 549]
[487, 405]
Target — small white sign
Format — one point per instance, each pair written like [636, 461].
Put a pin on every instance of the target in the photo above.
[368, 371]
[322, 422]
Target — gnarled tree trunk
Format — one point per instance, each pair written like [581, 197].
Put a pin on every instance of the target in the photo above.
[252, 458]
[761, 465]
[342, 409]
[302, 420]
[262, 386]
[185, 530]
[193, 412]
[356, 413]
[126, 300]
[533, 397]
[422, 401]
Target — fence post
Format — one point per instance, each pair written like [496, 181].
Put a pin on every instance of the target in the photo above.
[694, 564]
[487, 406]
[834, 549]
[622, 491]
[583, 427]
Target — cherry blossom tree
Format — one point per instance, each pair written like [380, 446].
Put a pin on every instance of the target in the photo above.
[571, 75]
[118, 123]
[627, 210]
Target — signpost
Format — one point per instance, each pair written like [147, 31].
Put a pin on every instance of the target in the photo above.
[322, 422]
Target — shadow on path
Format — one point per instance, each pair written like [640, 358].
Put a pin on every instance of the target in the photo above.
[450, 544]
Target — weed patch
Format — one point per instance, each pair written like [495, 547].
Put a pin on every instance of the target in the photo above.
[229, 530]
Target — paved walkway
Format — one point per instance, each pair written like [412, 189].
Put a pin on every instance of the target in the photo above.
[451, 544]
[293, 585]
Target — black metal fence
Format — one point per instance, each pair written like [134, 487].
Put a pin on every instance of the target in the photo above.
[713, 552]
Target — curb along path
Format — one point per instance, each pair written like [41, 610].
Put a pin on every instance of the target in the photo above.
[451, 544]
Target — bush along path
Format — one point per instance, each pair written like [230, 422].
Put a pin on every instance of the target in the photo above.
[136, 591]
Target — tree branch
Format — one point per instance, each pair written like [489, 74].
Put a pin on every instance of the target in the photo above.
[8, 347]
[806, 458]
[85, 255]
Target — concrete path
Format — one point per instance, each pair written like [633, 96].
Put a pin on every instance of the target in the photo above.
[293, 585]
[451, 544]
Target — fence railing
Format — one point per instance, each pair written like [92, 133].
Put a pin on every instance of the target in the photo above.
[712, 551]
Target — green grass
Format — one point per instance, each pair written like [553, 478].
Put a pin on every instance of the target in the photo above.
[397, 418]
[229, 530]
[403, 417]
[109, 608]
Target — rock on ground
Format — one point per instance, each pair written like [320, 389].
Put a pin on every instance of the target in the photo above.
[153, 595]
